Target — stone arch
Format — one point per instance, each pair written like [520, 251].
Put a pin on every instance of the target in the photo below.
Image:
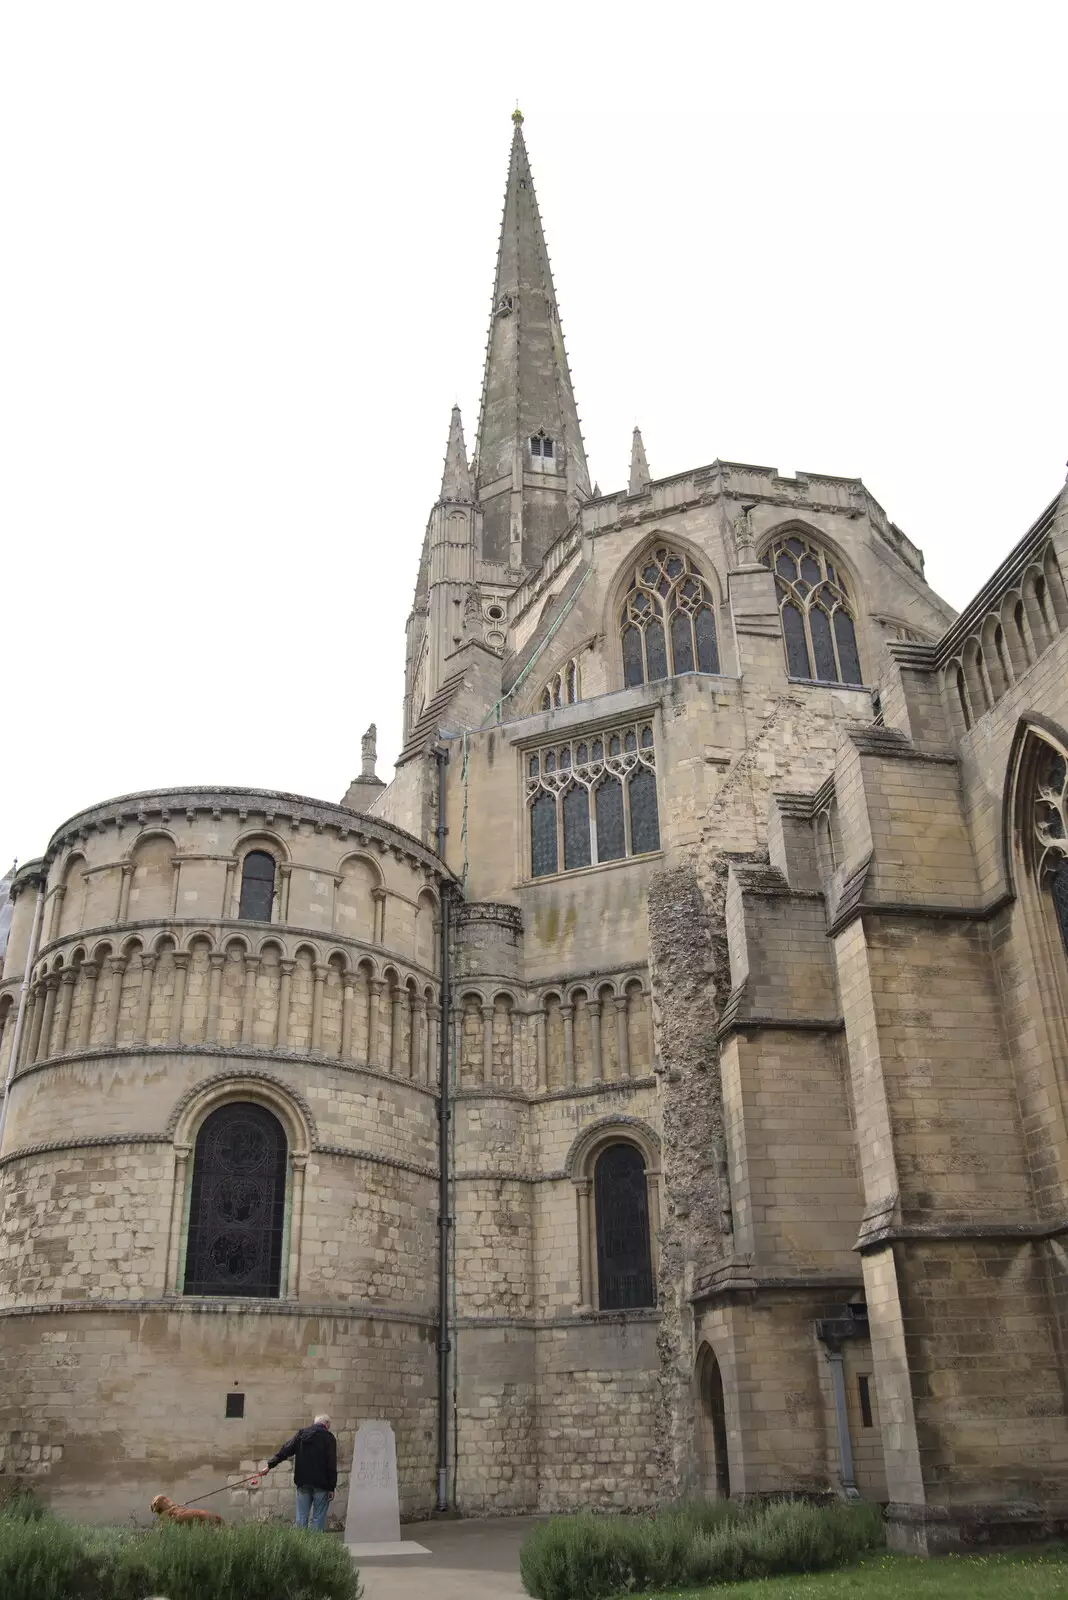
[196, 936]
[711, 1414]
[261, 839]
[606, 1282]
[149, 861]
[639, 1026]
[1035, 844]
[1017, 638]
[298, 1125]
[622, 582]
[844, 638]
[427, 912]
[74, 888]
[996, 656]
[550, 1003]
[359, 889]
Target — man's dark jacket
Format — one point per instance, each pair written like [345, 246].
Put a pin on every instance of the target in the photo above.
[315, 1466]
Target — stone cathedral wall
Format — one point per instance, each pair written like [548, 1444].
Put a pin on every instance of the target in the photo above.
[152, 1003]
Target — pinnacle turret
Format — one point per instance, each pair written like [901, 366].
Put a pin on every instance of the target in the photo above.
[456, 480]
[530, 460]
[639, 466]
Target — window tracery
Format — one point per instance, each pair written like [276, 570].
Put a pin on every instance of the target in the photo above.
[1050, 822]
[237, 1204]
[541, 445]
[667, 624]
[257, 887]
[818, 626]
[563, 689]
[592, 799]
[621, 1207]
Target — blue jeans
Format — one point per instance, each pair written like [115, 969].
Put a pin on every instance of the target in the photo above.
[315, 1502]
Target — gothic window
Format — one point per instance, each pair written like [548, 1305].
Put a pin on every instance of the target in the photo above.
[818, 626]
[257, 887]
[237, 1204]
[592, 799]
[563, 689]
[667, 625]
[1051, 833]
[541, 445]
[624, 1257]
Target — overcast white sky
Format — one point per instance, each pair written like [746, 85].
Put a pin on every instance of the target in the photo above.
[247, 267]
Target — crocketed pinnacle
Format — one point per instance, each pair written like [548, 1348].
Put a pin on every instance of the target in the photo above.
[639, 466]
[456, 480]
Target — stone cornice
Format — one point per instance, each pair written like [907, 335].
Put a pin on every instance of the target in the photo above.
[740, 1277]
[241, 1052]
[881, 1235]
[848, 913]
[106, 1140]
[344, 1310]
[274, 806]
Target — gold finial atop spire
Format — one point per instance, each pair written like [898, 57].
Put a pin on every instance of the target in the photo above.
[517, 116]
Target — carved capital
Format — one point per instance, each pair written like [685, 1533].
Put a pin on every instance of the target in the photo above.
[217, 959]
[319, 972]
[181, 960]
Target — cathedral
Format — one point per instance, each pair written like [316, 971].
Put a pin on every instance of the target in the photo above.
[658, 1088]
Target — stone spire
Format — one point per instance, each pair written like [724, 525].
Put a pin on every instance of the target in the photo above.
[456, 481]
[363, 791]
[531, 468]
[639, 467]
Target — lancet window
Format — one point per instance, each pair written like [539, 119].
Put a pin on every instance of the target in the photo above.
[237, 1204]
[817, 614]
[541, 445]
[563, 689]
[621, 1206]
[592, 799]
[1051, 833]
[257, 887]
[667, 625]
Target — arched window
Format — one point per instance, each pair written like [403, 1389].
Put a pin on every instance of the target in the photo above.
[1050, 822]
[237, 1204]
[817, 614]
[624, 1256]
[257, 887]
[668, 623]
[562, 689]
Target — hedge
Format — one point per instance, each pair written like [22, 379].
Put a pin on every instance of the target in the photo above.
[48, 1559]
[591, 1557]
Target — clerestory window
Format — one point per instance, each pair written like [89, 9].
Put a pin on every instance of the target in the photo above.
[562, 689]
[257, 887]
[816, 612]
[592, 799]
[667, 625]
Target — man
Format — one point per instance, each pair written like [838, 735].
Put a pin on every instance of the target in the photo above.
[314, 1471]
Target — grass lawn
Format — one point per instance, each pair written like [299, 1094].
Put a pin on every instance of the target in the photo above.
[1035, 1575]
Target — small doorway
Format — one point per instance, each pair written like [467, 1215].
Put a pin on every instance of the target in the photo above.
[712, 1426]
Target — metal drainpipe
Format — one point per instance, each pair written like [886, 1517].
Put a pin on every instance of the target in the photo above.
[31, 957]
[836, 1363]
[444, 1343]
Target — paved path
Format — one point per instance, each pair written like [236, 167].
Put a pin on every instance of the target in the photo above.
[469, 1560]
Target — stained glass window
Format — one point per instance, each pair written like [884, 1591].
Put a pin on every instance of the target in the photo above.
[668, 586]
[818, 628]
[592, 800]
[576, 827]
[1058, 888]
[611, 834]
[543, 835]
[1051, 833]
[624, 1257]
[257, 887]
[644, 820]
[237, 1204]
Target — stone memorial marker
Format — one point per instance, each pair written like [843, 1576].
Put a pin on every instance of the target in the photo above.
[372, 1521]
